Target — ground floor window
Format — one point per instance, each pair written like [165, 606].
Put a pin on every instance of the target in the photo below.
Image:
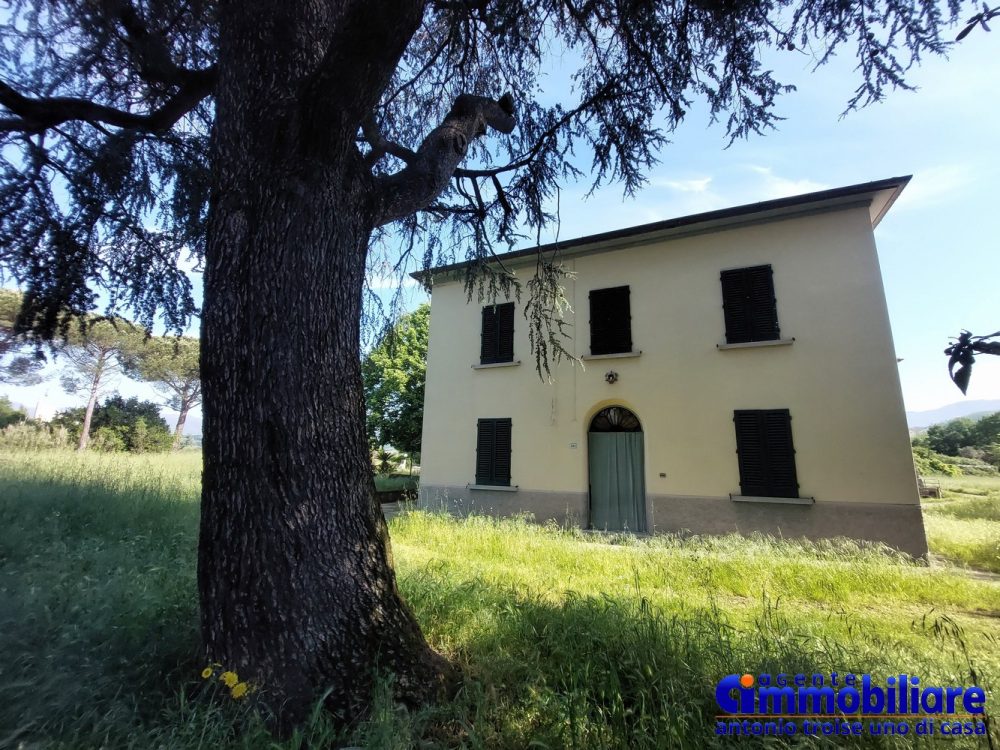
[766, 454]
[493, 447]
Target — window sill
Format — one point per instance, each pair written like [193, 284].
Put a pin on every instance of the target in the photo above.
[755, 344]
[777, 500]
[497, 487]
[615, 355]
[491, 365]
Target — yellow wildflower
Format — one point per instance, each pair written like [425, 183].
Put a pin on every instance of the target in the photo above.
[206, 673]
[239, 690]
[229, 678]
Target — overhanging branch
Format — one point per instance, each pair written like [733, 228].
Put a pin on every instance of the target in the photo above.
[35, 115]
[434, 164]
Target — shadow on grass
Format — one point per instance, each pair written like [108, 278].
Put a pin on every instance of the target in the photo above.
[98, 618]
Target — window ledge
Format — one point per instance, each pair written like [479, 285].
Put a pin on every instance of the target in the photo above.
[497, 487]
[491, 365]
[755, 344]
[615, 355]
[778, 500]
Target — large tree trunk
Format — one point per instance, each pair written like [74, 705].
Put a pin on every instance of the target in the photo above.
[294, 571]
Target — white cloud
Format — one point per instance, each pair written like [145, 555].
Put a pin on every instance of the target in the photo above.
[936, 185]
[693, 185]
[773, 186]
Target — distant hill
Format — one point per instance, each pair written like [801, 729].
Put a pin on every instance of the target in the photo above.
[952, 411]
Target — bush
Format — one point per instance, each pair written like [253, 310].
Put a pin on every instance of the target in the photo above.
[975, 467]
[927, 462]
[121, 424]
[8, 414]
[34, 436]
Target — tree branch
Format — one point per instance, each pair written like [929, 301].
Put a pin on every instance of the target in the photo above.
[434, 164]
[151, 52]
[381, 146]
[38, 115]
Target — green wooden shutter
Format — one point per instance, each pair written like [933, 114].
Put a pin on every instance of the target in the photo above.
[750, 451]
[749, 305]
[485, 440]
[610, 321]
[497, 338]
[501, 452]
[766, 454]
[734, 306]
[493, 448]
[780, 453]
[505, 332]
[763, 305]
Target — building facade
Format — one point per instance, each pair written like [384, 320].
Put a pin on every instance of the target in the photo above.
[738, 374]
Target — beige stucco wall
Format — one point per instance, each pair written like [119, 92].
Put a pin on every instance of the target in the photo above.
[838, 378]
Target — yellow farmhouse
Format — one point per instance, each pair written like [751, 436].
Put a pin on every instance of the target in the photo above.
[738, 375]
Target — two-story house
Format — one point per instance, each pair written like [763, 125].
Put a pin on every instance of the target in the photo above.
[738, 375]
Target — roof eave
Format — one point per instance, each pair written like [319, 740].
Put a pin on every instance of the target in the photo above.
[878, 195]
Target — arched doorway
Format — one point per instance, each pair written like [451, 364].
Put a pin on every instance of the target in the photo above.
[617, 471]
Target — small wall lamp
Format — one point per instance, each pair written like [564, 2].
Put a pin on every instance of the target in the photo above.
[611, 377]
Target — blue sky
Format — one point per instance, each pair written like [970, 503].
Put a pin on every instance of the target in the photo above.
[938, 247]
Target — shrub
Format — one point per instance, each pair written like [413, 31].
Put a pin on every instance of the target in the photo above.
[927, 461]
[33, 436]
[121, 424]
[8, 414]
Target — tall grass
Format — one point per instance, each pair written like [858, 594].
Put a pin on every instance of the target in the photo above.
[964, 525]
[565, 639]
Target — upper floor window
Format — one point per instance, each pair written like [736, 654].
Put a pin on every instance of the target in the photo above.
[497, 342]
[610, 321]
[750, 308]
[766, 454]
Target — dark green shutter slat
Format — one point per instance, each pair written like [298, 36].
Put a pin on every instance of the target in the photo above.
[763, 307]
[505, 332]
[488, 342]
[485, 439]
[734, 294]
[766, 453]
[749, 305]
[750, 448]
[610, 321]
[780, 453]
[501, 452]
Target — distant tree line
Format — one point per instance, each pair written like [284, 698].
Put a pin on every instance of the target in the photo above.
[970, 445]
[94, 352]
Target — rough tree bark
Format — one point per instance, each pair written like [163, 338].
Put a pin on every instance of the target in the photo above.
[295, 576]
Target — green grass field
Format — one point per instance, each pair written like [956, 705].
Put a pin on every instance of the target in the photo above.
[565, 639]
[964, 525]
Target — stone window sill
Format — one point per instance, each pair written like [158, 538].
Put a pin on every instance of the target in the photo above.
[497, 487]
[777, 500]
[615, 355]
[491, 365]
[756, 344]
